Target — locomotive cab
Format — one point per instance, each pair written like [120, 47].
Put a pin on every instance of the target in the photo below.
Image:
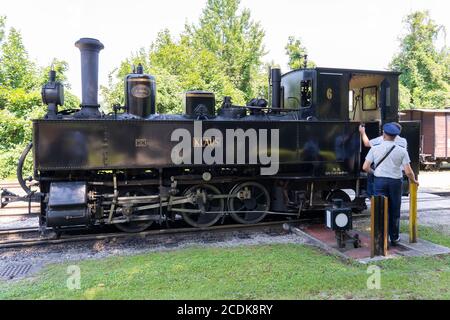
[342, 94]
[350, 95]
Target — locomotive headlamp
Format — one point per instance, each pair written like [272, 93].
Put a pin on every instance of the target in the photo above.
[338, 217]
[52, 95]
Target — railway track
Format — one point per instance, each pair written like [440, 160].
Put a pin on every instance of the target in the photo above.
[18, 230]
[27, 237]
[20, 206]
[35, 241]
[10, 185]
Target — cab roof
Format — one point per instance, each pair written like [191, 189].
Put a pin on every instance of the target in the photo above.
[342, 70]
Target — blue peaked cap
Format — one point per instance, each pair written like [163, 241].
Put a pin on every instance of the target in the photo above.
[391, 129]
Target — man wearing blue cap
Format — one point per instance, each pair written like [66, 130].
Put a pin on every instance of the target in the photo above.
[389, 159]
[369, 143]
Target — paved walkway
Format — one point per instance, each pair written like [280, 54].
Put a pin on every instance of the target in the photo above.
[432, 210]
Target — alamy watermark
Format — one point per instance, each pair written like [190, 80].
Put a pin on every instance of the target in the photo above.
[208, 147]
[73, 281]
[374, 280]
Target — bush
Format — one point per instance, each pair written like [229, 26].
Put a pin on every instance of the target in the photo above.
[9, 160]
[15, 134]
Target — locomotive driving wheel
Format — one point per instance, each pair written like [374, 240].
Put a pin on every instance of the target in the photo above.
[205, 210]
[136, 226]
[249, 202]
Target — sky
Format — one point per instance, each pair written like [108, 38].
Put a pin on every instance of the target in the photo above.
[359, 34]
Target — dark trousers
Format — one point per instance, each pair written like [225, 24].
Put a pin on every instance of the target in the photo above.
[392, 189]
[370, 185]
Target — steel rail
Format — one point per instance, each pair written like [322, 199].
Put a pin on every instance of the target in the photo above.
[175, 231]
[171, 231]
[18, 230]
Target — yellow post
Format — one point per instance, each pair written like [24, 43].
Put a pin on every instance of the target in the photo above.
[385, 226]
[412, 212]
[372, 226]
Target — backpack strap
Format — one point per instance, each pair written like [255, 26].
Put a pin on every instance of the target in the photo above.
[385, 156]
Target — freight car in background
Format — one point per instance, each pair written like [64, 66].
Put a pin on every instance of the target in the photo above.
[434, 136]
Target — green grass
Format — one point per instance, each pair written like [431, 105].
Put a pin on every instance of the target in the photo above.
[437, 235]
[281, 271]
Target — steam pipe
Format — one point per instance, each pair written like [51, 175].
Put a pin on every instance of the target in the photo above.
[89, 49]
[275, 76]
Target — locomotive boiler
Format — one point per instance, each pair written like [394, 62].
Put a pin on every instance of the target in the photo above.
[134, 167]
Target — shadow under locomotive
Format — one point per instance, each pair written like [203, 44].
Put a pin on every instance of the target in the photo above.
[119, 168]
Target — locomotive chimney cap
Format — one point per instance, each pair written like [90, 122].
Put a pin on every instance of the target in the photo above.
[89, 44]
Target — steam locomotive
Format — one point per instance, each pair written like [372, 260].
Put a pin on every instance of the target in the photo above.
[134, 167]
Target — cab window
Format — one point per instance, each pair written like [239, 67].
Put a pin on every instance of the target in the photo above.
[305, 93]
[369, 98]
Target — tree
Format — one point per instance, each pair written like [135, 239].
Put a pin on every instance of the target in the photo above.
[222, 54]
[195, 68]
[16, 69]
[61, 67]
[20, 98]
[234, 39]
[168, 88]
[177, 67]
[296, 53]
[2, 27]
[425, 68]
[2, 34]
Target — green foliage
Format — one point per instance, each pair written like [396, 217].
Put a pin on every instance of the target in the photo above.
[20, 99]
[169, 90]
[221, 54]
[234, 38]
[195, 68]
[296, 53]
[2, 27]
[425, 78]
[10, 158]
[61, 67]
[16, 69]
[15, 133]
[14, 130]
[404, 97]
[168, 87]
[71, 101]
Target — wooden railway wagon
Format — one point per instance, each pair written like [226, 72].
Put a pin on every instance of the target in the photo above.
[434, 135]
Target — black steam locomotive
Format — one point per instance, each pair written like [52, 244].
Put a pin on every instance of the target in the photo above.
[134, 167]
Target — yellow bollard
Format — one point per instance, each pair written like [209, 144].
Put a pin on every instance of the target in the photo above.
[412, 212]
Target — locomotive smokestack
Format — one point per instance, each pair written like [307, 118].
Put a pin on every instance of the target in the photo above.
[89, 49]
[275, 76]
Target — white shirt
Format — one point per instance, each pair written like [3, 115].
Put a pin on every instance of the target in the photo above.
[392, 165]
[398, 141]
